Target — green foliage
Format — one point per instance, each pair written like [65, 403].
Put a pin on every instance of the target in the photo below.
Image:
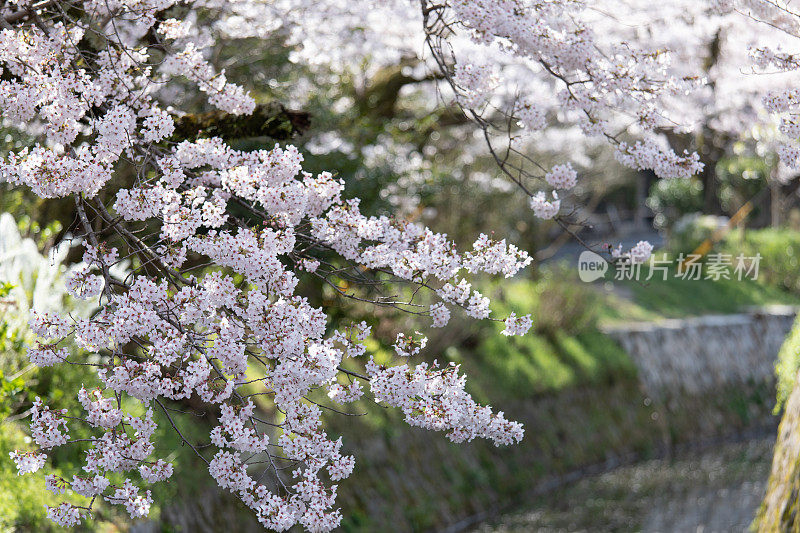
[42, 235]
[564, 348]
[788, 364]
[5, 288]
[23, 498]
[691, 230]
[779, 267]
[780, 254]
[741, 177]
[780, 508]
[518, 367]
[12, 390]
[562, 304]
[557, 300]
[672, 199]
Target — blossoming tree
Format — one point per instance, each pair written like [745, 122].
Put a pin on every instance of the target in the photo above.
[220, 235]
[701, 93]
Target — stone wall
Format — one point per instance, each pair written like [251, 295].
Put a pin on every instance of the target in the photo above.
[699, 354]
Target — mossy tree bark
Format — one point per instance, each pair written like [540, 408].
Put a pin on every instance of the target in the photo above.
[779, 510]
[267, 120]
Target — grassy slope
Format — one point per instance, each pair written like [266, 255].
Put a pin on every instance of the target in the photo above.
[677, 298]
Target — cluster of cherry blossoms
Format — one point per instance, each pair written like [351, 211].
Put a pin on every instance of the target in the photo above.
[639, 254]
[597, 76]
[770, 59]
[544, 207]
[213, 313]
[119, 80]
[595, 80]
[627, 73]
[786, 105]
[168, 332]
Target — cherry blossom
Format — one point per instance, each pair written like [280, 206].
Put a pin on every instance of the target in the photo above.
[440, 314]
[544, 208]
[28, 462]
[210, 309]
[65, 515]
[47, 355]
[517, 325]
[639, 254]
[562, 177]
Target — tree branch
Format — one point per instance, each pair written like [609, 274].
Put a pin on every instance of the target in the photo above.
[267, 120]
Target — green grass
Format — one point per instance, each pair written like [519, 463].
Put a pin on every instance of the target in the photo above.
[676, 298]
[564, 348]
[780, 254]
[502, 368]
[673, 297]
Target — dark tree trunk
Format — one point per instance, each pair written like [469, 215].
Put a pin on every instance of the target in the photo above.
[711, 201]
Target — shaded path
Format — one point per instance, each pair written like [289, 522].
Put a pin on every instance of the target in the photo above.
[716, 490]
